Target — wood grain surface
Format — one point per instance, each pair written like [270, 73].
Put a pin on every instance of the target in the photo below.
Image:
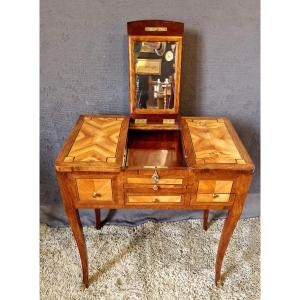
[212, 142]
[97, 140]
[94, 189]
[154, 198]
[214, 186]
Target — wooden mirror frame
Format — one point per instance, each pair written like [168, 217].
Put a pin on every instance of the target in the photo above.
[137, 33]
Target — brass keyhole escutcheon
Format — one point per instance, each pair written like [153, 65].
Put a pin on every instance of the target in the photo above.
[155, 177]
[95, 195]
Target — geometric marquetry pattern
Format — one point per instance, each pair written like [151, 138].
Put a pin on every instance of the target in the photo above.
[212, 142]
[97, 140]
[215, 186]
[102, 188]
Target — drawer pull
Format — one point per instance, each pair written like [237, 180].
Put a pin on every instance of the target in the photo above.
[155, 187]
[95, 195]
[215, 195]
[156, 200]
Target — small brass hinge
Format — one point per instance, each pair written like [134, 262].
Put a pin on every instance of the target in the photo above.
[168, 121]
[140, 121]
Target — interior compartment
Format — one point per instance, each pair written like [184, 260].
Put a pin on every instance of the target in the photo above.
[154, 148]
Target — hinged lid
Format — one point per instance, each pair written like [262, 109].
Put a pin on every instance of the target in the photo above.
[212, 143]
[154, 49]
[96, 143]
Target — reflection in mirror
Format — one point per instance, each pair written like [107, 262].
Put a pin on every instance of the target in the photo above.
[155, 74]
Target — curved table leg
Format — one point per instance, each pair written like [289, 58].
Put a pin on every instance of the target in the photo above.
[229, 226]
[76, 227]
[74, 221]
[233, 216]
[205, 219]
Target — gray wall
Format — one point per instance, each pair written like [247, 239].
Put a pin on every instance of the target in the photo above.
[84, 70]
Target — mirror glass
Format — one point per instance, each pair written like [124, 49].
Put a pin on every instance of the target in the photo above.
[155, 66]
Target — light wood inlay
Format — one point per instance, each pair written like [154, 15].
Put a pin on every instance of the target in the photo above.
[94, 189]
[153, 199]
[215, 186]
[213, 198]
[97, 140]
[223, 186]
[212, 142]
[149, 181]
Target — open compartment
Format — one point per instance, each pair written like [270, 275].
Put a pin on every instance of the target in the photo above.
[154, 148]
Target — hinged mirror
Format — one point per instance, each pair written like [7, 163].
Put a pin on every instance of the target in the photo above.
[155, 49]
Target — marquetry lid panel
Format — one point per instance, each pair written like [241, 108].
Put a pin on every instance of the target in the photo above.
[212, 142]
[97, 140]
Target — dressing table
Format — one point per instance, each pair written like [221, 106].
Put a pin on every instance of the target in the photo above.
[154, 158]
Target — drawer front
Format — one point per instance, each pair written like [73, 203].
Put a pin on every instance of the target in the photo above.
[99, 189]
[135, 199]
[156, 179]
[213, 191]
[165, 200]
[214, 186]
[145, 180]
[214, 197]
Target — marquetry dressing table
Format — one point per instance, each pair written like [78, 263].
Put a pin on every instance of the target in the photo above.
[154, 158]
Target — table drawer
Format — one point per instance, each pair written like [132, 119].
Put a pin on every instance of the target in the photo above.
[213, 197]
[145, 180]
[99, 189]
[154, 199]
[214, 186]
[156, 178]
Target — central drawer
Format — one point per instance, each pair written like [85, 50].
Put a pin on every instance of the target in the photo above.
[156, 179]
[131, 199]
[145, 180]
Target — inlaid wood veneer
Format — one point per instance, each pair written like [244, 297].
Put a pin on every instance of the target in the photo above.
[215, 186]
[150, 181]
[213, 198]
[94, 189]
[212, 142]
[154, 199]
[97, 140]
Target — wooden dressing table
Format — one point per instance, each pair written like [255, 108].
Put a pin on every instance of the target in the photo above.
[154, 158]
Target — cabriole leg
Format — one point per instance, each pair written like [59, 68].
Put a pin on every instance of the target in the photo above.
[76, 227]
[75, 223]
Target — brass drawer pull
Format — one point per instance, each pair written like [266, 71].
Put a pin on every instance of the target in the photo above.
[215, 195]
[155, 187]
[156, 200]
[95, 195]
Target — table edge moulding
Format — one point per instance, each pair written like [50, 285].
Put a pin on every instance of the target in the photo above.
[155, 158]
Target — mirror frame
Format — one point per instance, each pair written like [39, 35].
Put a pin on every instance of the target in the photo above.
[160, 36]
